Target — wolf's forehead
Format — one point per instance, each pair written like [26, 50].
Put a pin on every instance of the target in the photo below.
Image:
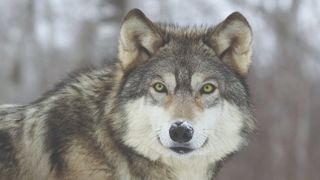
[182, 64]
[183, 78]
[184, 67]
[179, 77]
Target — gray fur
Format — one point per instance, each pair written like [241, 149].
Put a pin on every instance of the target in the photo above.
[79, 129]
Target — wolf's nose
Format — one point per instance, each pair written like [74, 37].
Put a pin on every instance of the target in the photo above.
[181, 132]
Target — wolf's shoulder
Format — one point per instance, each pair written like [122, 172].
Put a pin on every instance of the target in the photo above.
[11, 117]
[8, 108]
[10, 114]
[84, 83]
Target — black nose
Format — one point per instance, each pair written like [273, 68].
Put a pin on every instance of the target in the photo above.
[181, 132]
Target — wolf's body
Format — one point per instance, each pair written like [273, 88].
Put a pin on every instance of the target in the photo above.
[113, 122]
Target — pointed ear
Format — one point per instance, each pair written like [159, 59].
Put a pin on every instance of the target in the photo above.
[139, 39]
[231, 40]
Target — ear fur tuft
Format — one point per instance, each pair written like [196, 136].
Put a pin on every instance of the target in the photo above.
[139, 39]
[232, 39]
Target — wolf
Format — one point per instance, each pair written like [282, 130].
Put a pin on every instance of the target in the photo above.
[174, 105]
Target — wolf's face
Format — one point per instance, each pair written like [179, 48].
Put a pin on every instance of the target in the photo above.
[183, 93]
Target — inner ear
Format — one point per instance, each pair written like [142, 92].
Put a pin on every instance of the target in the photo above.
[139, 39]
[231, 40]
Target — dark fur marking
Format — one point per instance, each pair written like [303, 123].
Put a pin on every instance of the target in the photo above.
[62, 125]
[8, 161]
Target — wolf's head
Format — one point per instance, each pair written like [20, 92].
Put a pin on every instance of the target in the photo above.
[183, 92]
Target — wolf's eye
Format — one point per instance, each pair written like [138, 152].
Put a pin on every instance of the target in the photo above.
[208, 88]
[159, 87]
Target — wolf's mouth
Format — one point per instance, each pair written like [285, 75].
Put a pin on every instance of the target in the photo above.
[181, 150]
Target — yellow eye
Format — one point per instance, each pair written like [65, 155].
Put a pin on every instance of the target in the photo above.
[159, 87]
[208, 88]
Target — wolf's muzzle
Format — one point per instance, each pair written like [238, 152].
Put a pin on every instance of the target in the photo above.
[181, 132]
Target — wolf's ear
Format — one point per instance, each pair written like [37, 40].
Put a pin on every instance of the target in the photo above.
[231, 39]
[139, 39]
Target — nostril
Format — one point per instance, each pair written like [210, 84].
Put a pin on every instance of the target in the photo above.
[186, 135]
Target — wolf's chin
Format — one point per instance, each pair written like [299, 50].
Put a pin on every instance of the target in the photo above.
[182, 150]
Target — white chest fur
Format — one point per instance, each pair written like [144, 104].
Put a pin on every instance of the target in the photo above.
[193, 170]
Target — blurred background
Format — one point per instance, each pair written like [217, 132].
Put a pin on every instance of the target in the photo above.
[41, 41]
